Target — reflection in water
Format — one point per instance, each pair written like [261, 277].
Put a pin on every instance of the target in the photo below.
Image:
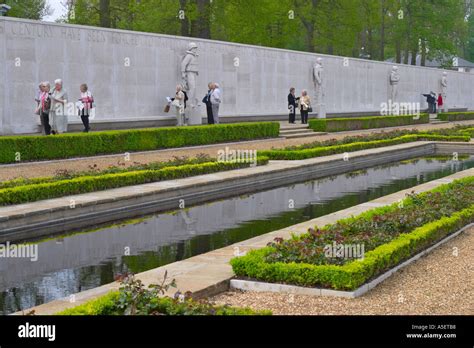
[84, 260]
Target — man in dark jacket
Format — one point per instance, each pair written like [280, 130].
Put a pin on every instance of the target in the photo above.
[292, 105]
[207, 100]
[431, 100]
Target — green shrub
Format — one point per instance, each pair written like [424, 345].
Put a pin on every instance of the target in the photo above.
[456, 116]
[331, 150]
[356, 123]
[133, 298]
[47, 190]
[353, 274]
[34, 148]
[107, 305]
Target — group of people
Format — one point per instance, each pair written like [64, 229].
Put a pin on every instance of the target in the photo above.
[212, 100]
[433, 100]
[302, 102]
[53, 109]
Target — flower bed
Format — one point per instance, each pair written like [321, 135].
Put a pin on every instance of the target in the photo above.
[389, 235]
[369, 122]
[18, 191]
[34, 148]
[134, 299]
[336, 149]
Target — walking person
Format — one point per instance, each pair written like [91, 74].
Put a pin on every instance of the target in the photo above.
[178, 103]
[58, 112]
[304, 104]
[207, 100]
[292, 100]
[216, 99]
[45, 106]
[86, 103]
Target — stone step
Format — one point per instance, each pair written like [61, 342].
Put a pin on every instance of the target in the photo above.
[302, 135]
[292, 127]
[438, 121]
[294, 131]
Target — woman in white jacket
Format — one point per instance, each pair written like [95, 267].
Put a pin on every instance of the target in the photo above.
[178, 103]
[59, 110]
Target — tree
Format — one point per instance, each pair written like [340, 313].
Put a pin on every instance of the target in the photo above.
[30, 9]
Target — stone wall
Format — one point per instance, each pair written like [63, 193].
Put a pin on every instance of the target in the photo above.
[130, 74]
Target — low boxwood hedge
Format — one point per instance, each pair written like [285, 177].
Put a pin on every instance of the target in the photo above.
[351, 275]
[34, 148]
[369, 122]
[107, 305]
[331, 150]
[46, 190]
[456, 116]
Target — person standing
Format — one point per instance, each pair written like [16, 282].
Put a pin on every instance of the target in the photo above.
[304, 104]
[292, 100]
[207, 100]
[45, 106]
[58, 112]
[216, 99]
[178, 103]
[86, 104]
[38, 105]
[440, 102]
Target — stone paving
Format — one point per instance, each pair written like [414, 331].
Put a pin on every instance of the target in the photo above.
[50, 168]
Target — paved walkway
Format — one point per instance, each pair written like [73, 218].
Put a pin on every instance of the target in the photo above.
[50, 168]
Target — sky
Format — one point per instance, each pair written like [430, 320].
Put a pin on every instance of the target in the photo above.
[59, 10]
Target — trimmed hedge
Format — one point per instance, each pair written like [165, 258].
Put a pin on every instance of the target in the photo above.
[107, 305]
[47, 190]
[456, 116]
[331, 150]
[34, 148]
[353, 274]
[356, 123]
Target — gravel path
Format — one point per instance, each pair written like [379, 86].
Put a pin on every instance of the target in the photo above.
[50, 168]
[439, 283]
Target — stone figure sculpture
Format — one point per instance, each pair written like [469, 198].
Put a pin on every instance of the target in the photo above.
[444, 90]
[318, 86]
[189, 73]
[394, 79]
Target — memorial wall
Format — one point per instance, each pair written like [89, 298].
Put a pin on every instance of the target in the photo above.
[131, 74]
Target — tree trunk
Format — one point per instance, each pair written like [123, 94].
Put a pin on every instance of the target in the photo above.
[382, 33]
[203, 21]
[423, 53]
[184, 21]
[105, 13]
[398, 49]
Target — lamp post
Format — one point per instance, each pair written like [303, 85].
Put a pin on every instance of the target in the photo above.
[4, 8]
